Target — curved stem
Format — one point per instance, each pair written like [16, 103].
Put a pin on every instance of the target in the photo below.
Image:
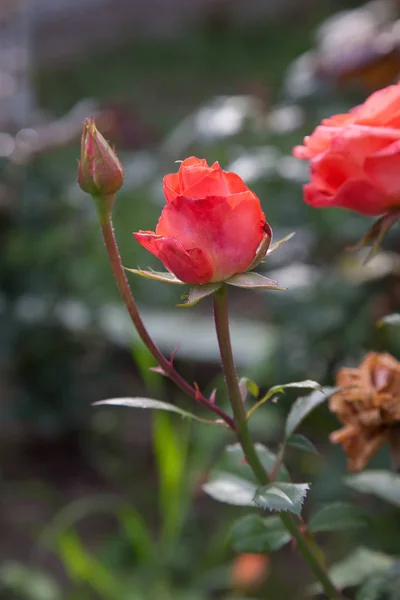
[126, 294]
[306, 548]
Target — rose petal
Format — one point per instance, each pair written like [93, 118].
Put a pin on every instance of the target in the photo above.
[171, 186]
[190, 266]
[357, 142]
[333, 169]
[340, 119]
[381, 107]
[175, 183]
[357, 195]
[193, 161]
[235, 183]
[199, 182]
[316, 143]
[228, 229]
[192, 170]
[383, 168]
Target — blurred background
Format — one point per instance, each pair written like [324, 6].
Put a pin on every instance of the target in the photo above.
[106, 503]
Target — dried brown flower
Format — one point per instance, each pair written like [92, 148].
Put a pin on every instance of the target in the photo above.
[368, 406]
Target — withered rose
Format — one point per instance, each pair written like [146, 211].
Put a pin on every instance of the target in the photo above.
[368, 407]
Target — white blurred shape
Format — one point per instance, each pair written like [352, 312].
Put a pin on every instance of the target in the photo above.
[296, 276]
[252, 341]
[139, 170]
[7, 144]
[300, 79]
[26, 139]
[256, 163]
[224, 116]
[293, 169]
[14, 59]
[284, 119]
[381, 265]
[73, 314]
[31, 308]
[8, 85]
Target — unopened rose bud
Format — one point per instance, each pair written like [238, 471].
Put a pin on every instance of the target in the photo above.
[100, 172]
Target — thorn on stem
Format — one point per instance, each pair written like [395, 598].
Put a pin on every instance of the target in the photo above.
[159, 370]
[213, 396]
[173, 354]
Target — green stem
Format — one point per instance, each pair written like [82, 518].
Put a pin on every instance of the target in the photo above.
[126, 294]
[221, 317]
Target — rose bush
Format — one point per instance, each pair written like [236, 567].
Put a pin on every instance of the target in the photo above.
[355, 157]
[211, 226]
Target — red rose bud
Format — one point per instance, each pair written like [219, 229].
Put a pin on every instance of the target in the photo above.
[355, 157]
[99, 171]
[212, 226]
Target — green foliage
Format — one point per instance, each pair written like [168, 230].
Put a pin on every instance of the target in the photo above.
[163, 276]
[251, 386]
[280, 496]
[84, 567]
[279, 389]
[337, 516]
[392, 320]
[198, 292]
[357, 568]
[136, 532]
[383, 484]
[374, 589]
[28, 583]
[170, 448]
[255, 534]
[303, 406]
[233, 482]
[231, 489]
[254, 281]
[386, 587]
[151, 404]
[233, 460]
[300, 442]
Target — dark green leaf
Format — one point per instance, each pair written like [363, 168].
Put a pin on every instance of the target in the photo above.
[153, 405]
[282, 496]
[380, 483]
[233, 461]
[337, 517]
[301, 443]
[268, 460]
[231, 489]
[251, 280]
[375, 589]
[303, 406]
[359, 566]
[254, 534]
[198, 292]
[279, 389]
